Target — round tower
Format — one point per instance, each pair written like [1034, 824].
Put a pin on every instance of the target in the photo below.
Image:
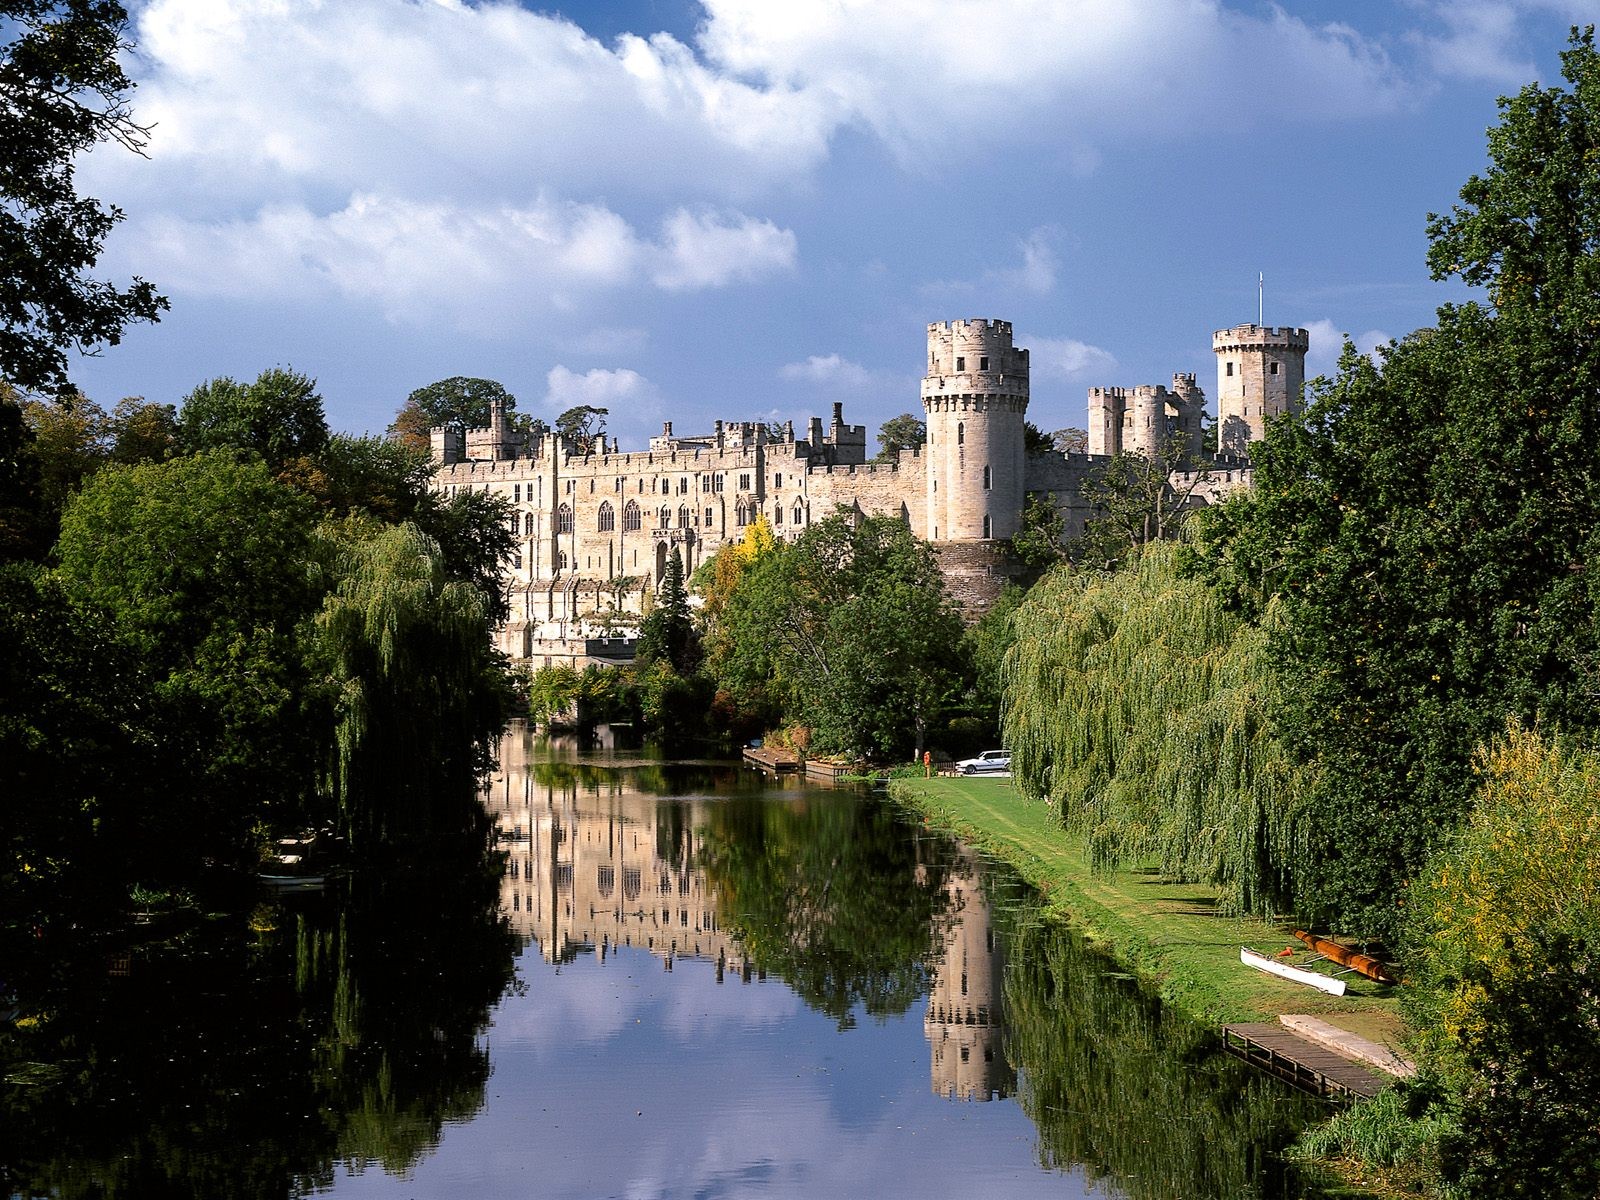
[974, 396]
[1261, 373]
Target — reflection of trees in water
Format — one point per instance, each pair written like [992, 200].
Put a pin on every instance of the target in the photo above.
[251, 1059]
[832, 894]
[1133, 1093]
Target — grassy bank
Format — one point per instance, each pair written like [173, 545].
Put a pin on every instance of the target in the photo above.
[1169, 934]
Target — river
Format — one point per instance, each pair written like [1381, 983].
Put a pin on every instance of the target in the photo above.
[685, 980]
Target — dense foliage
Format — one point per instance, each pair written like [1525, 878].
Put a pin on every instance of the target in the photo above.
[62, 92]
[849, 629]
[1137, 704]
[1431, 523]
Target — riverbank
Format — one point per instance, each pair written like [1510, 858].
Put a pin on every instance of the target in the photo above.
[1167, 933]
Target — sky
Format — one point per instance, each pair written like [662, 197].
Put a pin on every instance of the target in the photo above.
[742, 209]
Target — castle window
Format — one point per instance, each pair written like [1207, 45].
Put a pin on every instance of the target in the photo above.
[961, 433]
[777, 514]
[516, 561]
[515, 521]
[683, 485]
[716, 482]
[961, 364]
[708, 517]
[988, 478]
[630, 517]
[1274, 368]
[777, 479]
[799, 514]
[744, 483]
[983, 363]
[664, 517]
[516, 493]
[683, 516]
[561, 560]
[986, 526]
[564, 519]
[570, 484]
[1230, 370]
[608, 517]
[618, 481]
[741, 515]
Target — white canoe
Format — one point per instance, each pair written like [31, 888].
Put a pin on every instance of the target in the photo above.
[1334, 987]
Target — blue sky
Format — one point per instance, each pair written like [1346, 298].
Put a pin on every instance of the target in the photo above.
[746, 209]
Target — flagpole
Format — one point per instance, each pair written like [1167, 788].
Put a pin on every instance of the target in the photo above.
[1261, 299]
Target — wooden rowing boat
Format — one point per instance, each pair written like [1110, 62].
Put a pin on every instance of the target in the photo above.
[1334, 987]
[1361, 964]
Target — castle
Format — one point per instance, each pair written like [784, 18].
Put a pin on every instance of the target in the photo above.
[595, 530]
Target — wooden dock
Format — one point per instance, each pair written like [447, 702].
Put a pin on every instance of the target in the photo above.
[1305, 1064]
[772, 758]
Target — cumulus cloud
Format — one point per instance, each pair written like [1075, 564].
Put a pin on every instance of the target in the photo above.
[829, 369]
[1066, 359]
[633, 404]
[1327, 343]
[1486, 40]
[478, 266]
[709, 250]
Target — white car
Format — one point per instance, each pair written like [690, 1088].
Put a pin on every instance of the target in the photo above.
[988, 763]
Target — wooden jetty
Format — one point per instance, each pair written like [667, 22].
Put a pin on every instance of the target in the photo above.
[772, 758]
[1303, 1063]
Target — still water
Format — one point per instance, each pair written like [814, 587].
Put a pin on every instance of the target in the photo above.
[671, 980]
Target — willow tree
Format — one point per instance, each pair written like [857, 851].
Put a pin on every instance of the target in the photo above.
[419, 687]
[1137, 703]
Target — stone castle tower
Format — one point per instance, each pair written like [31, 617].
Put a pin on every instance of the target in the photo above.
[1261, 372]
[974, 396]
[1147, 420]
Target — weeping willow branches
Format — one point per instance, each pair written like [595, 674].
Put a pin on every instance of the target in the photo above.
[1136, 703]
[406, 649]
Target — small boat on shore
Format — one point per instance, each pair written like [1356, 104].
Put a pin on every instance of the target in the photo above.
[1334, 987]
[1361, 964]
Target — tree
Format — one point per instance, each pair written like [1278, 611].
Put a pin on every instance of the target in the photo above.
[279, 416]
[1035, 440]
[851, 626]
[62, 92]
[1136, 501]
[1040, 539]
[142, 431]
[905, 432]
[667, 633]
[460, 402]
[204, 565]
[581, 425]
[1432, 522]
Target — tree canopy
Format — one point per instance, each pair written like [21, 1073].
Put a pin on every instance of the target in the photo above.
[62, 92]
[905, 432]
[279, 416]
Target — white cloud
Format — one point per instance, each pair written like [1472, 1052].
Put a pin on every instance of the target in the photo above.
[1487, 40]
[633, 404]
[831, 370]
[710, 250]
[484, 267]
[1327, 343]
[1067, 359]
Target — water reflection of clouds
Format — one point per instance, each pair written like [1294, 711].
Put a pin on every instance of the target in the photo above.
[588, 1002]
[751, 1095]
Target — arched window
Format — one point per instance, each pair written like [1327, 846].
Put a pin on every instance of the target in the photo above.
[515, 521]
[683, 516]
[564, 519]
[986, 526]
[961, 433]
[608, 517]
[777, 514]
[799, 513]
[561, 561]
[741, 514]
[664, 517]
[630, 517]
[988, 478]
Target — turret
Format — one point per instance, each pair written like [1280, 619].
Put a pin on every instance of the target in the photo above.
[974, 397]
[1261, 373]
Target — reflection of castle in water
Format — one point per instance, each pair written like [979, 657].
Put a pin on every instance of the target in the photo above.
[592, 868]
[965, 1025]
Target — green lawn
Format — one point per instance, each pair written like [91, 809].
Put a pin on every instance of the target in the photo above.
[1167, 933]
